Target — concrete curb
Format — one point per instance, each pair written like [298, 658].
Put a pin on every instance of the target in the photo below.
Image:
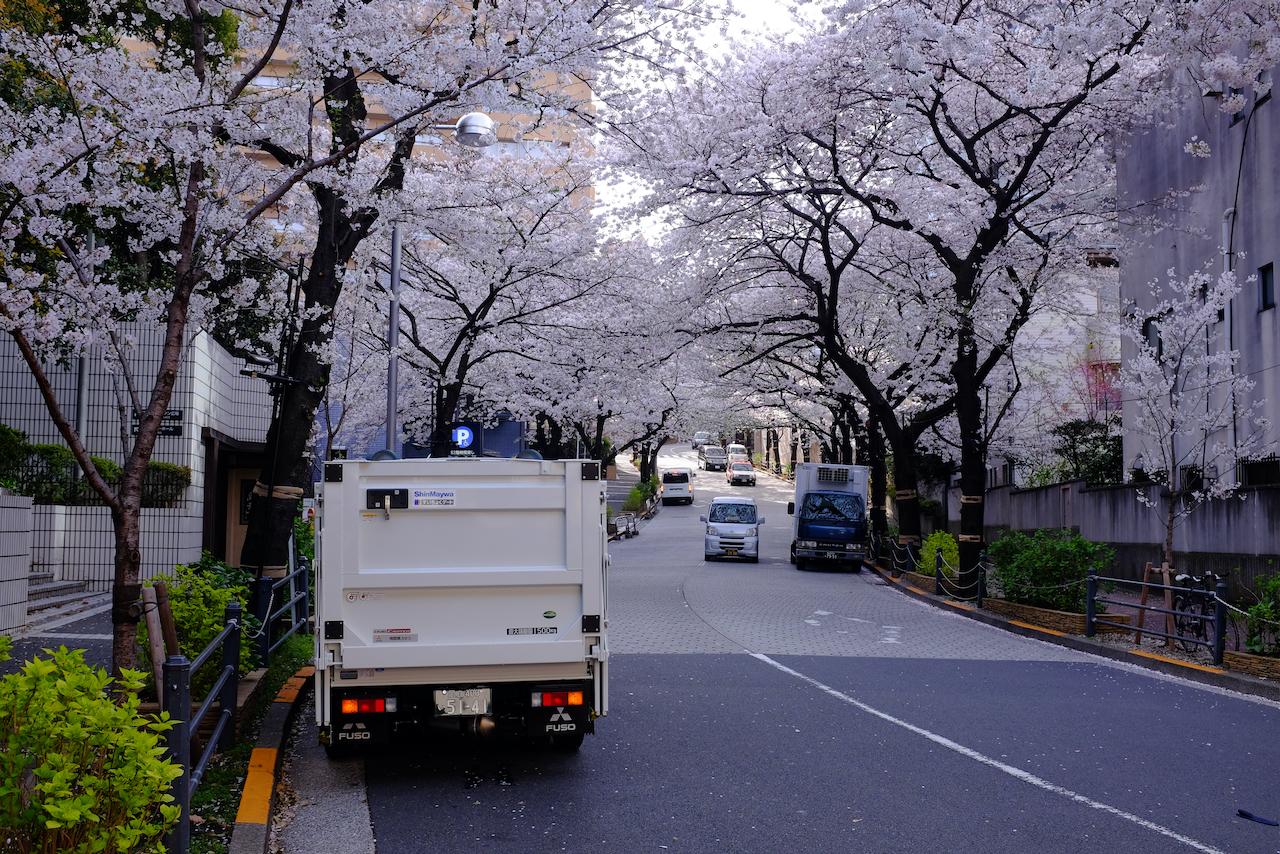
[252, 829]
[1216, 676]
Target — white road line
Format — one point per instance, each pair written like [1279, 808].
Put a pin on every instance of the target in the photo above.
[1016, 773]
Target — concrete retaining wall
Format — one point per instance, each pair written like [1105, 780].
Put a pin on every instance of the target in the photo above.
[15, 561]
[1238, 537]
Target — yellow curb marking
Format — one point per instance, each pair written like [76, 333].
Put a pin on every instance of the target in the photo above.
[306, 672]
[1036, 628]
[963, 606]
[255, 800]
[914, 589]
[1167, 660]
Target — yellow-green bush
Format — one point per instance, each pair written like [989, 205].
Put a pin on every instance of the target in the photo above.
[80, 768]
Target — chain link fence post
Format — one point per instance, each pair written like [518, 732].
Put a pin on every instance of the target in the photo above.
[262, 610]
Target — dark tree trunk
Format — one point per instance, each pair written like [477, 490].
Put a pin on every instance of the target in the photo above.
[875, 461]
[777, 452]
[288, 467]
[447, 398]
[973, 466]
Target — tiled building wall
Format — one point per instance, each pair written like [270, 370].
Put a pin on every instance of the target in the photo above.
[76, 543]
[15, 561]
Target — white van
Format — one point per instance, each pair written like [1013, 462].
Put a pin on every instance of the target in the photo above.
[733, 529]
[677, 486]
[737, 453]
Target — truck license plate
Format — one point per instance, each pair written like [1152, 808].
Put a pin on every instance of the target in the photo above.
[466, 702]
[833, 555]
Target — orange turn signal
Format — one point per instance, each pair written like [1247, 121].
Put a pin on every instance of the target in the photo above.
[575, 698]
[350, 707]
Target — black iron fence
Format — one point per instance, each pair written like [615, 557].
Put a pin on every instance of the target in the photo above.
[282, 605]
[1199, 613]
[177, 701]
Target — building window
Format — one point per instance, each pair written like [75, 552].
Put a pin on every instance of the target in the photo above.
[1151, 332]
[1260, 472]
[1266, 287]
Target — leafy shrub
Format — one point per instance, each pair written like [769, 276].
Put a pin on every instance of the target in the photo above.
[1264, 618]
[648, 488]
[950, 553]
[48, 474]
[304, 537]
[80, 768]
[635, 500]
[13, 451]
[1047, 569]
[164, 484]
[198, 596]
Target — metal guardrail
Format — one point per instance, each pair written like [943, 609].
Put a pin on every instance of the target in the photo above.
[1214, 640]
[177, 672]
[293, 592]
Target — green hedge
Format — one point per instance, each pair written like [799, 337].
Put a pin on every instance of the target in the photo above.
[1047, 568]
[198, 596]
[80, 769]
[950, 553]
[1264, 618]
[50, 475]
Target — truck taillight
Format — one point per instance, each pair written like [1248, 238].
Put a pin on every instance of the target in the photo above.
[556, 698]
[368, 705]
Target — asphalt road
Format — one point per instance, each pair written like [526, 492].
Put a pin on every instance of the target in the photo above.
[758, 708]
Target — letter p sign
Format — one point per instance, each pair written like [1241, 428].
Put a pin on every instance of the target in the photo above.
[463, 437]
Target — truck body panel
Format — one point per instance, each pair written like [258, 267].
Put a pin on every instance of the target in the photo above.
[459, 574]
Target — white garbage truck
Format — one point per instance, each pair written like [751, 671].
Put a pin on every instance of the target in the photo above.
[466, 594]
[830, 511]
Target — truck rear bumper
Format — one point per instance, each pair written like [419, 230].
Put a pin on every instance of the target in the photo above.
[512, 711]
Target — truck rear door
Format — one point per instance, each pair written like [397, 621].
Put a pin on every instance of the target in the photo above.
[454, 563]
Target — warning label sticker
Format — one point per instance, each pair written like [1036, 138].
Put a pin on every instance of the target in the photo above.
[394, 636]
[534, 630]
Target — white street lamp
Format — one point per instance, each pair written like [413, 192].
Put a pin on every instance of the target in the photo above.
[473, 130]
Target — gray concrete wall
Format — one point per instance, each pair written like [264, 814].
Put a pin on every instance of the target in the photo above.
[15, 561]
[1172, 207]
[1237, 537]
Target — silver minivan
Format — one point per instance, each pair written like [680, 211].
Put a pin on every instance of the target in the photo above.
[732, 529]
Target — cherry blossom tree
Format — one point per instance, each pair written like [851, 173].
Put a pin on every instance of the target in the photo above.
[974, 138]
[1185, 402]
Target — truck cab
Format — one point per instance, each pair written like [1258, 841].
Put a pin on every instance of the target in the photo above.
[830, 512]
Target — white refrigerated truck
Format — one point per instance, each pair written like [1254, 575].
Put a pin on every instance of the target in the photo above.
[468, 594]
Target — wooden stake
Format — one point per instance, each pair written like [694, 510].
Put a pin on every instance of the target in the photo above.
[155, 643]
[166, 619]
[1142, 605]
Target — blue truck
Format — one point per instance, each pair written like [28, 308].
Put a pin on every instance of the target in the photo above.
[830, 513]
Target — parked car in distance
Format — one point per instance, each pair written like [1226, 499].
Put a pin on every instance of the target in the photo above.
[712, 458]
[737, 453]
[677, 486]
[700, 438]
[740, 473]
[733, 529]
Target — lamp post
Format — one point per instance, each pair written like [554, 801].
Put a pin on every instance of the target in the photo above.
[474, 130]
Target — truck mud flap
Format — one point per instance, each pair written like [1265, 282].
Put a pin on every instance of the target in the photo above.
[560, 720]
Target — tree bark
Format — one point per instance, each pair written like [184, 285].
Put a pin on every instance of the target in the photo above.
[875, 460]
[288, 467]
